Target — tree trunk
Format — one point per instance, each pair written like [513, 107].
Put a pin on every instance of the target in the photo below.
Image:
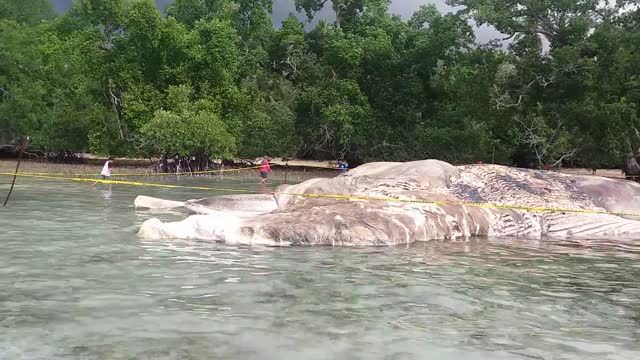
[202, 162]
[165, 164]
[631, 166]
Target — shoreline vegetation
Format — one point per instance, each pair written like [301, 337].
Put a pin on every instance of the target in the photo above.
[217, 80]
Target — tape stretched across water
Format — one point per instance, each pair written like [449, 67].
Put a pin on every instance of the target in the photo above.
[460, 203]
[339, 197]
[145, 174]
[131, 183]
[204, 172]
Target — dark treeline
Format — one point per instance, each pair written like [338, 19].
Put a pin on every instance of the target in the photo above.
[214, 79]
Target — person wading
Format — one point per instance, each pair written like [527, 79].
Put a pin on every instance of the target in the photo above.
[106, 169]
[265, 169]
[105, 173]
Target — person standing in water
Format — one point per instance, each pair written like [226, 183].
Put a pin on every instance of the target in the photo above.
[265, 169]
[105, 174]
[106, 169]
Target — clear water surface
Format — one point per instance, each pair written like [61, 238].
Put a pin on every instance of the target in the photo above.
[76, 283]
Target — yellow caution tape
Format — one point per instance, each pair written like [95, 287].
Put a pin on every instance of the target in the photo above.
[132, 183]
[141, 174]
[469, 204]
[167, 173]
[340, 197]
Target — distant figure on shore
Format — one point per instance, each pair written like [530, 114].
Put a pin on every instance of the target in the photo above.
[265, 169]
[343, 166]
[106, 169]
[547, 166]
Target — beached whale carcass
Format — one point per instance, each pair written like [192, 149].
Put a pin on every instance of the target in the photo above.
[426, 200]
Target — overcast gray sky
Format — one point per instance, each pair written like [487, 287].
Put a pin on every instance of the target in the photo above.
[282, 8]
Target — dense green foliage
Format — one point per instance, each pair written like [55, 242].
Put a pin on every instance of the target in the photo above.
[214, 78]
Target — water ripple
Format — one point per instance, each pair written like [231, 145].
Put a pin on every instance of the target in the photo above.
[78, 284]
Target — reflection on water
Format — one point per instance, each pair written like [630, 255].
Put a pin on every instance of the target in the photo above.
[77, 284]
[106, 194]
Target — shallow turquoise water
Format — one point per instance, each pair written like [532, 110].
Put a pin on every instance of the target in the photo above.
[76, 283]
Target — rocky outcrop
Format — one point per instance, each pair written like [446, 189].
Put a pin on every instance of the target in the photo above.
[423, 200]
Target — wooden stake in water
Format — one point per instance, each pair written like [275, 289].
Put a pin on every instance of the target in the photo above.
[23, 146]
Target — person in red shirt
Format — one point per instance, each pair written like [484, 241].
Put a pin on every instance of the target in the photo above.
[265, 169]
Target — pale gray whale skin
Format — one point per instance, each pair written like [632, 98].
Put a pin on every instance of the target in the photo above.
[286, 219]
[239, 203]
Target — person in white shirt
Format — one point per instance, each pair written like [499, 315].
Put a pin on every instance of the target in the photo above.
[105, 174]
[106, 169]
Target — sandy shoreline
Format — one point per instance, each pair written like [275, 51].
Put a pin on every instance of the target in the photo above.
[610, 173]
[275, 161]
[301, 172]
[93, 165]
[89, 160]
